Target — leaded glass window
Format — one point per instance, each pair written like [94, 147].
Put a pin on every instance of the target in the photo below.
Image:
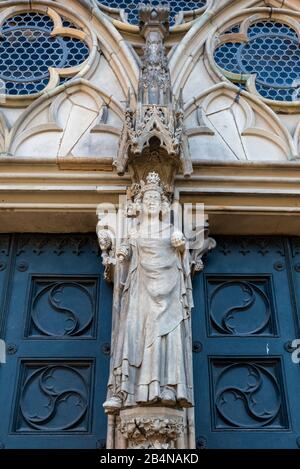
[131, 7]
[271, 55]
[27, 51]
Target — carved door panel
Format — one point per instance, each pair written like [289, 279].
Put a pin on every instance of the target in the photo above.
[56, 314]
[246, 312]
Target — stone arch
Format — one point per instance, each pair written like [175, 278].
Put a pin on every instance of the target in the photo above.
[197, 46]
[224, 124]
[105, 42]
[297, 138]
[77, 120]
[4, 133]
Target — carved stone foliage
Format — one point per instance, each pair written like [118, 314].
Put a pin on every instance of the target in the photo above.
[154, 132]
[155, 428]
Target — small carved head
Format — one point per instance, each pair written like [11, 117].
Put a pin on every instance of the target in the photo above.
[105, 241]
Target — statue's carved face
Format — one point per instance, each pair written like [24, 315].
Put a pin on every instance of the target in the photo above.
[152, 202]
[104, 240]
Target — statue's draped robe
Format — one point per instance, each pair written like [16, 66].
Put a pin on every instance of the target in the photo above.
[152, 330]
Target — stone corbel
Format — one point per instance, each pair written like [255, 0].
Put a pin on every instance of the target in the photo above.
[106, 244]
[206, 245]
[151, 427]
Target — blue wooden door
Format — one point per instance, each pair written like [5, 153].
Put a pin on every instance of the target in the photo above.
[247, 386]
[55, 319]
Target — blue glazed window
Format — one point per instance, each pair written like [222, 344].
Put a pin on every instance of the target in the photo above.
[272, 53]
[27, 50]
[131, 7]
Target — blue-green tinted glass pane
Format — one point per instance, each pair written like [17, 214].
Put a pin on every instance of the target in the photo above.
[27, 51]
[272, 54]
[227, 58]
[131, 7]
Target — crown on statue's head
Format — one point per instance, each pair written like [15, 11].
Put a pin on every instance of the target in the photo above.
[153, 178]
[153, 183]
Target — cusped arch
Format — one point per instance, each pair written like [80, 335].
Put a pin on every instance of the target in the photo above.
[235, 125]
[77, 119]
[95, 28]
[115, 49]
[199, 41]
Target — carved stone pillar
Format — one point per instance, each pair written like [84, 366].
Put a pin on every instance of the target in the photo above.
[153, 136]
[151, 427]
[148, 404]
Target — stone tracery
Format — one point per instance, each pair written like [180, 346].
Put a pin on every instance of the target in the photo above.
[28, 50]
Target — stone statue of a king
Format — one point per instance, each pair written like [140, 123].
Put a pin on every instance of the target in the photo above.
[151, 360]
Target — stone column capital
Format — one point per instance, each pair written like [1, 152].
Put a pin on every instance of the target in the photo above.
[151, 427]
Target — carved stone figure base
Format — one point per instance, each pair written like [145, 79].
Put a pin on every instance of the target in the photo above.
[151, 427]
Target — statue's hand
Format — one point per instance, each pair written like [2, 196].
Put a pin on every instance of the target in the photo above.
[122, 253]
[121, 258]
[177, 239]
